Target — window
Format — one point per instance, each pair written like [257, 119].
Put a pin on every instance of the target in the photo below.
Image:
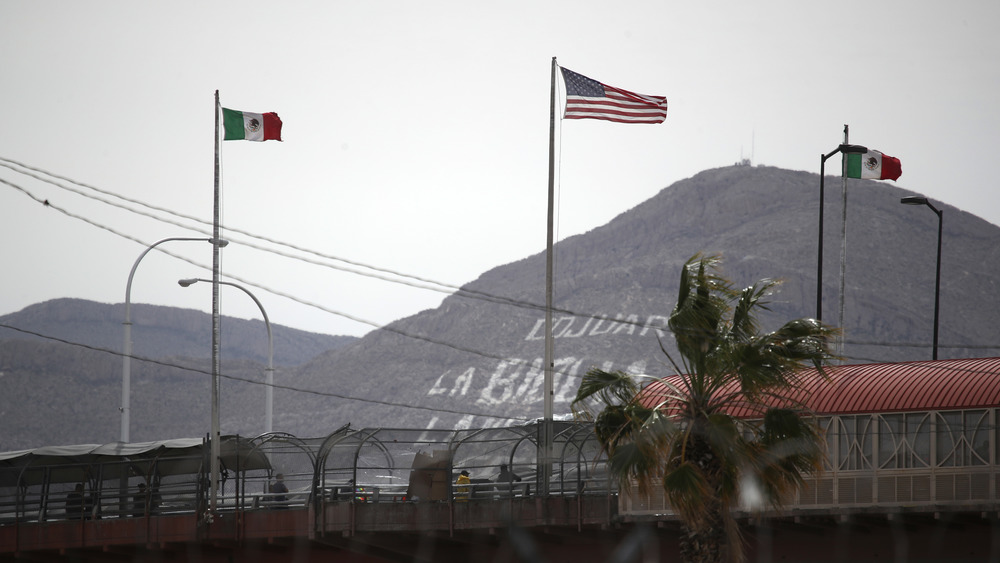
[904, 441]
[963, 438]
[854, 442]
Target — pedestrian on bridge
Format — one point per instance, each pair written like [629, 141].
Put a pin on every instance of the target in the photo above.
[463, 486]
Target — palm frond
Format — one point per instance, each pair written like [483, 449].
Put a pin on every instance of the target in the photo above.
[606, 387]
[612, 426]
[744, 324]
[790, 448]
[803, 341]
[632, 462]
[687, 488]
[691, 438]
[722, 433]
[702, 302]
[677, 368]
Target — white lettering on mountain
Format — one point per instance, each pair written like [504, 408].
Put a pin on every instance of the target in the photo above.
[578, 327]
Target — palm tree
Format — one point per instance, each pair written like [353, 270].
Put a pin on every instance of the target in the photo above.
[726, 423]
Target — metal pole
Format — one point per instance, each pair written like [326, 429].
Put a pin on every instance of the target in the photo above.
[546, 452]
[269, 390]
[126, 408]
[918, 200]
[819, 252]
[844, 148]
[216, 331]
[269, 394]
[126, 371]
[819, 258]
[937, 280]
[843, 248]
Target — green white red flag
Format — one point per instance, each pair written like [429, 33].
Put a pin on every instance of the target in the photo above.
[248, 126]
[873, 165]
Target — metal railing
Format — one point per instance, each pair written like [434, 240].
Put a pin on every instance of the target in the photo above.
[365, 466]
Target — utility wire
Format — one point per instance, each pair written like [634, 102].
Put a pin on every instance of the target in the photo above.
[348, 316]
[348, 397]
[425, 283]
[376, 325]
[422, 283]
[252, 382]
[390, 329]
[922, 345]
[401, 278]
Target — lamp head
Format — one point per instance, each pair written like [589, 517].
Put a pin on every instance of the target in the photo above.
[187, 282]
[913, 200]
[222, 242]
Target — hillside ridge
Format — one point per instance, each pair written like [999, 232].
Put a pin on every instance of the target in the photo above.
[476, 359]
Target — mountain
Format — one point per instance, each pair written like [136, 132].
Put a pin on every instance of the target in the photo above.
[159, 332]
[61, 393]
[477, 359]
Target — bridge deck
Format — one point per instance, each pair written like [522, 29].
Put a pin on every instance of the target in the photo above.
[333, 520]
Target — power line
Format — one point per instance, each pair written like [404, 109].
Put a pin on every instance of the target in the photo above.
[327, 393]
[422, 283]
[390, 329]
[252, 382]
[348, 316]
[394, 330]
[7, 164]
[279, 293]
[922, 345]
[400, 277]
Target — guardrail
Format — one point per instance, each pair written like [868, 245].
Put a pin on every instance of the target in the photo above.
[117, 481]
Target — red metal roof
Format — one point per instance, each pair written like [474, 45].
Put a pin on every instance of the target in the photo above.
[908, 386]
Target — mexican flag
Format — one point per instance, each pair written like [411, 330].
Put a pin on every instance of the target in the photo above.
[873, 165]
[243, 125]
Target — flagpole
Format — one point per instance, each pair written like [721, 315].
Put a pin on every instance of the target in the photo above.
[216, 333]
[843, 243]
[547, 420]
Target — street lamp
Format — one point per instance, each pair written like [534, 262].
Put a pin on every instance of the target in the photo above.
[915, 200]
[846, 149]
[269, 391]
[127, 348]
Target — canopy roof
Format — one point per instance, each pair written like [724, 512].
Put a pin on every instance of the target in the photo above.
[167, 457]
[889, 387]
[344, 454]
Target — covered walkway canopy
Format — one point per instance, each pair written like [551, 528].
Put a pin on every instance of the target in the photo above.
[881, 388]
[911, 435]
[356, 465]
[75, 464]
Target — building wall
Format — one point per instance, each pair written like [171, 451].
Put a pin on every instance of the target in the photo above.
[937, 460]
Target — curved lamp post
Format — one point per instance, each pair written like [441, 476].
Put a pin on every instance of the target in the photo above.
[846, 149]
[269, 392]
[127, 348]
[914, 200]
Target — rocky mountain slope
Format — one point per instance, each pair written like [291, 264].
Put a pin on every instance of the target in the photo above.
[477, 359]
[61, 371]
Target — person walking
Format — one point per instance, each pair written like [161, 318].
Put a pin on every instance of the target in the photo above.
[463, 486]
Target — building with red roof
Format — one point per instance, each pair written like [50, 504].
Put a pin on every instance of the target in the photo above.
[915, 436]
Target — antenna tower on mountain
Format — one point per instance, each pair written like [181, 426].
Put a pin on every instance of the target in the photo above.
[747, 161]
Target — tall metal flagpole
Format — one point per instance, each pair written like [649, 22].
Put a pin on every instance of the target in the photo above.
[547, 420]
[216, 237]
[843, 243]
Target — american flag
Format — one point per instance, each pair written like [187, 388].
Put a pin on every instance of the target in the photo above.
[589, 99]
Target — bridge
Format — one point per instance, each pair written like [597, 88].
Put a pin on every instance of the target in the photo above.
[343, 493]
[912, 474]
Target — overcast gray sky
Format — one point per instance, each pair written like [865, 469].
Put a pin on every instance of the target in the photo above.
[416, 133]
